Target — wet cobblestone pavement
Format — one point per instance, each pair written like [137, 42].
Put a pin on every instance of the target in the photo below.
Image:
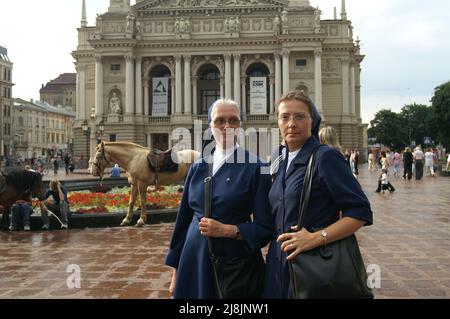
[409, 241]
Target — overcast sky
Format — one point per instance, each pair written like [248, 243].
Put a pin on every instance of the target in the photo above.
[406, 43]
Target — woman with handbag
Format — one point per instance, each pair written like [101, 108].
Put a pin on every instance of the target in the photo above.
[216, 246]
[330, 189]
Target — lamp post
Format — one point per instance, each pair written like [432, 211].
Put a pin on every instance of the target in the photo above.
[92, 130]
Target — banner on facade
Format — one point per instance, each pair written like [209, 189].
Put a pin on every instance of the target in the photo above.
[160, 97]
[258, 95]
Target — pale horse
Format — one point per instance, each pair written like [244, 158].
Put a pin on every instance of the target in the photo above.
[133, 158]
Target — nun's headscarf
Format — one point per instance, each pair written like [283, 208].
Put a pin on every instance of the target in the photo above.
[316, 120]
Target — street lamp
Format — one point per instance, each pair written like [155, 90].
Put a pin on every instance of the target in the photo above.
[100, 129]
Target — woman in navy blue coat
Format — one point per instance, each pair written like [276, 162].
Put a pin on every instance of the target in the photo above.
[238, 191]
[334, 190]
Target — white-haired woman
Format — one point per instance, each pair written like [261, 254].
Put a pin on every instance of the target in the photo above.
[239, 191]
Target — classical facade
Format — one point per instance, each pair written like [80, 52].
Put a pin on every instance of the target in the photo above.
[60, 91]
[42, 129]
[147, 69]
[6, 103]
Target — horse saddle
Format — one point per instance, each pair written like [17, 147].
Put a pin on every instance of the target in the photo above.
[161, 161]
[2, 184]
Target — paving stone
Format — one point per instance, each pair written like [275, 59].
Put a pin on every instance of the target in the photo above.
[410, 241]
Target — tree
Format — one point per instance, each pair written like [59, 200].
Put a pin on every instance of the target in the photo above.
[416, 119]
[389, 129]
[441, 113]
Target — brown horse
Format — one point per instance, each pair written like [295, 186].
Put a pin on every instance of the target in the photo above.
[134, 160]
[12, 187]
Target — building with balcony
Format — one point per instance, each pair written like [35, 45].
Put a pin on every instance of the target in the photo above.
[6, 103]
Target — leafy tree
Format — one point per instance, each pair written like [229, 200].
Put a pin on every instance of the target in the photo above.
[441, 113]
[416, 119]
[389, 129]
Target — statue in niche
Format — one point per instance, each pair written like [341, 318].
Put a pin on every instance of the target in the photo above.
[130, 22]
[317, 14]
[138, 28]
[114, 105]
[276, 25]
[284, 21]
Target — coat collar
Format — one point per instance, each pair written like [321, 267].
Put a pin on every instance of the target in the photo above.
[303, 156]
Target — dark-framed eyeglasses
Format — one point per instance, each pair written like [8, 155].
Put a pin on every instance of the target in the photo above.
[232, 121]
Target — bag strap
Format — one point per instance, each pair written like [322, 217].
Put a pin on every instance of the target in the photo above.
[207, 214]
[306, 190]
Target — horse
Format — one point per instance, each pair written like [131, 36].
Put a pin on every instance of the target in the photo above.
[12, 187]
[142, 170]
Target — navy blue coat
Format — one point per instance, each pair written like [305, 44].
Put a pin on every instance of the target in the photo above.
[334, 189]
[238, 190]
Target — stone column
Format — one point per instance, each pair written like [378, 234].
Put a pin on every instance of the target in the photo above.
[77, 94]
[278, 85]
[187, 85]
[318, 80]
[227, 76]
[286, 85]
[146, 97]
[129, 85]
[81, 99]
[139, 106]
[345, 86]
[271, 102]
[222, 89]
[98, 86]
[194, 96]
[352, 88]
[244, 94]
[178, 85]
[237, 77]
[172, 95]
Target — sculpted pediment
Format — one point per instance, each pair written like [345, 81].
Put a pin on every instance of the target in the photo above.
[185, 4]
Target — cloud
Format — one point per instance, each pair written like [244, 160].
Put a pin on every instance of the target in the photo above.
[374, 103]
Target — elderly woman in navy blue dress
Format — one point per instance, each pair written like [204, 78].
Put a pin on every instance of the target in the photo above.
[334, 191]
[239, 190]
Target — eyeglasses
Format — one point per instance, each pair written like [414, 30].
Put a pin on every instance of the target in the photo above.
[220, 121]
[298, 117]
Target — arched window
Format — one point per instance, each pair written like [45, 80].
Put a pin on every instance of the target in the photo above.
[257, 70]
[208, 87]
[160, 91]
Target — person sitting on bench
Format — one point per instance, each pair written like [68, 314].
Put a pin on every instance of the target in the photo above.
[59, 206]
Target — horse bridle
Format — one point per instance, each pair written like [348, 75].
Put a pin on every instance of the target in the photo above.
[102, 156]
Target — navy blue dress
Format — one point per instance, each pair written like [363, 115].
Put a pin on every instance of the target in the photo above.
[238, 190]
[334, 189]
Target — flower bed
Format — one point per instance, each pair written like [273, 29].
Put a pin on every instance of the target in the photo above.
[116, 200]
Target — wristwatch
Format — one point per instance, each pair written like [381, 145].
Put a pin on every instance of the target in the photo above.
[324, 235]
[236, 232]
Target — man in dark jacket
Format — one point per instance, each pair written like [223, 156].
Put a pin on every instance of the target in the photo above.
[407, 162]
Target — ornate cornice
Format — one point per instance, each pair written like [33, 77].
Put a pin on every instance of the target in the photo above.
[175, 7]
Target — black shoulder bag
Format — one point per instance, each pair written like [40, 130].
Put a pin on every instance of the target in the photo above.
[332, 271]
[234, 277]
